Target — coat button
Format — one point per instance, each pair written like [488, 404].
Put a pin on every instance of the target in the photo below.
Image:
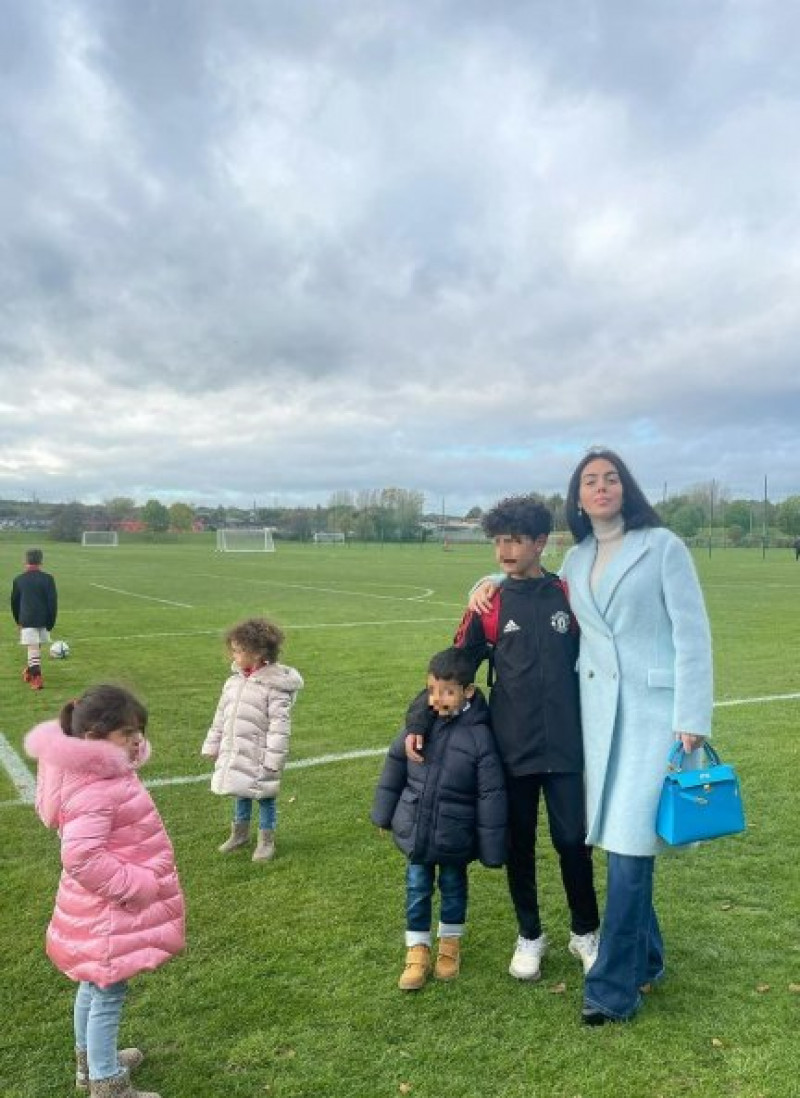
[590, 675]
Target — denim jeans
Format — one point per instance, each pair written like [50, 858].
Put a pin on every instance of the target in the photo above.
[631, 948]
[420, 882]
[267, 812]
[96, 1015]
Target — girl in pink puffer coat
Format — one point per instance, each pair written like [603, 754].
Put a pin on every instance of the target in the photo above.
[119, 908]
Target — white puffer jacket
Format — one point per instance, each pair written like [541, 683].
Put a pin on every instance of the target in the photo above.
[249, 736]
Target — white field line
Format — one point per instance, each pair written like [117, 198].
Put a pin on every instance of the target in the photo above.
[290, 628]
[148, 598]
[16, 769]
[25, 783]
[426, 591]
[299, 764]
[756, 701]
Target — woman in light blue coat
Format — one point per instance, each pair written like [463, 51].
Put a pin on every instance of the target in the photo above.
[645, 680]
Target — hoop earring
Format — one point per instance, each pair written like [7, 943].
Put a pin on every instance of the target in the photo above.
[580, 510]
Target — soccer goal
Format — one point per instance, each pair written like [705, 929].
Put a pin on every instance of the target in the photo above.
[106, 539]
[329, 538]
[245, 540]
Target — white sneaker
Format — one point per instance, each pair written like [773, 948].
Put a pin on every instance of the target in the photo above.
[584, 947]
[526, 964]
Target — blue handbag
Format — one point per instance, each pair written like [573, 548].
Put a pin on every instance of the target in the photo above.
[698, 804]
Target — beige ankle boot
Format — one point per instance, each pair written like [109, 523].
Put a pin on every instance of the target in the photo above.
[265, 847]
[239, 836]
[418, 966]
[118, 1086]
[448, 961]
[129, 1058]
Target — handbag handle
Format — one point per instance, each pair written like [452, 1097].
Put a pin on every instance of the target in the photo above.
[677, 755]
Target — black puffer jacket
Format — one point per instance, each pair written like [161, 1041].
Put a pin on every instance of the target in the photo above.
[451, 808]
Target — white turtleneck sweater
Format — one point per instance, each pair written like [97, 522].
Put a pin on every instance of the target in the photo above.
[609, 534]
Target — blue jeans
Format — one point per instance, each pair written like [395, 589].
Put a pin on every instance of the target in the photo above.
[420, 883]
[631, 948]
[96, 1015]
[267, 812]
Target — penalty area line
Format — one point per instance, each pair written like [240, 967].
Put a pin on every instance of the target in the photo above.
[25, 783]
[297, 764]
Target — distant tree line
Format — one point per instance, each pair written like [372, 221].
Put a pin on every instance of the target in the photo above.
[395, 514]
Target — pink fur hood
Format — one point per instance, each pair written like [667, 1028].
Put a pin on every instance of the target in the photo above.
[119, 908]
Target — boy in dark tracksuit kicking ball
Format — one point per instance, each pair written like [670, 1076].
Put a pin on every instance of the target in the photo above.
[445, 810]
[532, 640]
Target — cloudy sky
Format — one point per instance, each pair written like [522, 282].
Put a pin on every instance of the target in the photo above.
[275, 249]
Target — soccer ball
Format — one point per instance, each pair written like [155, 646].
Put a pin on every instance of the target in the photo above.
[59, 650]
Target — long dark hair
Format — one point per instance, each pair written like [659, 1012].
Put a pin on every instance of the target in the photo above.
[636, 511]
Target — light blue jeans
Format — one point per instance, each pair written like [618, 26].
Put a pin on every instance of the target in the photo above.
[97, 1014]
[267, 812]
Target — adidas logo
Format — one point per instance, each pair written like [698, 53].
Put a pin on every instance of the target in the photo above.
[511, 626]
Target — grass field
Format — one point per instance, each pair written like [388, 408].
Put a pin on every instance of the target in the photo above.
[287, 988]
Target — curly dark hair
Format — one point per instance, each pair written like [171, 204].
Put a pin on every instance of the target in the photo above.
[518, 515]
[257, 635]
[636, 511]
[101, 710]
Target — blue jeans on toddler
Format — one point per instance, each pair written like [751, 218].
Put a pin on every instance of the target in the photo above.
[267, 812]
[631, 951]
[96, 1015]
[420, 883]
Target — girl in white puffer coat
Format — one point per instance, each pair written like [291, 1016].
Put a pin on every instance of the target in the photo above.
[249, 736]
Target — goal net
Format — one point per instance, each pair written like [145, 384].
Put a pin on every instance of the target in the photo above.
[331, 538]
[108, 539]
[245, 541]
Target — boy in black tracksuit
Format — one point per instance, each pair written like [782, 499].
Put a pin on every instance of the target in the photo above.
[34, 604]
[532, 641]
[444, 811]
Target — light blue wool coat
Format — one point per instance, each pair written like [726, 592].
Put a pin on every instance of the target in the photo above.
[645, 673]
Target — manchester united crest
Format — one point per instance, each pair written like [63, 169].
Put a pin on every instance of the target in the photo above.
[560, 621]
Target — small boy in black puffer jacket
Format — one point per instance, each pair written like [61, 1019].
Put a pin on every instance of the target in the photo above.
[444, 812]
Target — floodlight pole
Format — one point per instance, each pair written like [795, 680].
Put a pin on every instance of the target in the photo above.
[711, 517]
[764, 527]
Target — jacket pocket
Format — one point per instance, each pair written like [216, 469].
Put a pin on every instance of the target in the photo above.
[661, 677]
[455, 829]
[405, 815]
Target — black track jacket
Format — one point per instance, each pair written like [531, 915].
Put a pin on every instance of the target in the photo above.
[534, 705]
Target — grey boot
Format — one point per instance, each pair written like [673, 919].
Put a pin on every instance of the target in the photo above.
[265, 848]
[240, 834]
[129, 1058]
[118, 1086]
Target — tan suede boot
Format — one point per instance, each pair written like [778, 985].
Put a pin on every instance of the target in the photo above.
[129, 1058]
[265, 847]
[118, 1086]
[239, 836]
[448, 960]
[417, 969]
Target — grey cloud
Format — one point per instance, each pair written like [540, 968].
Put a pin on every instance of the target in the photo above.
[506, 222]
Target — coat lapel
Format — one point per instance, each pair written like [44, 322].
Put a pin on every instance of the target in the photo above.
[634, 546]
